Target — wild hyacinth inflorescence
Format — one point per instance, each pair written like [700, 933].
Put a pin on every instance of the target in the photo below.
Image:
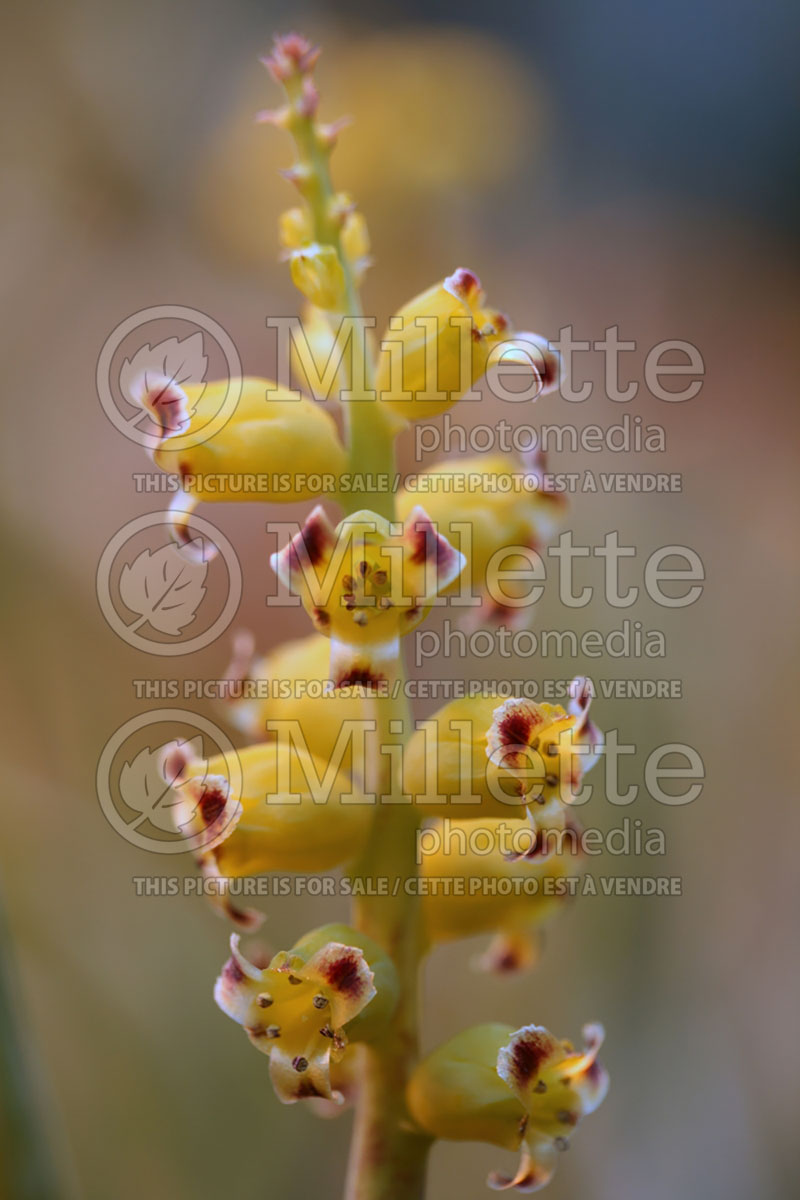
[337, 1014]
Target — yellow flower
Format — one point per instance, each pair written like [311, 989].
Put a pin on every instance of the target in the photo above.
[295, 228]
[317, 272]
[439, 345]
[356, 243]
[239, 455]
[294, 813]
[371, 1023]
[365, 584]
[522, 1090]
[487, 506]
[509, 889]
[295, 1009]
[294, 677]
[484, 758]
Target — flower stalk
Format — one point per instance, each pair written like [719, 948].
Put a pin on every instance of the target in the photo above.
[387, 1155]
[369, 430]
[338, 1014]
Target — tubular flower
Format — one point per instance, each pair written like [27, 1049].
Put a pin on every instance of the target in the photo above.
[481, 758]
[295, 813]
[489, 507]
[267, 430]
[438, 346]
[299, 688]
[295, 1010]
[522, 1090]
[365, 584]
[508, 892]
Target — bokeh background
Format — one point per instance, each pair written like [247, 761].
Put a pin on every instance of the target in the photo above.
[606, 164]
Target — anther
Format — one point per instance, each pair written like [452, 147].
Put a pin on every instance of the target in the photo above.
[300, 1064]
[264, 1000]
[273, 1031]
[541, 1087]
[319, 1000]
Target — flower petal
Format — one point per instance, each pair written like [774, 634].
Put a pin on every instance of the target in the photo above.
[300, 1076]
[510, 951]
[530, 1051]
[537, 1166]
[586, 732]
[343, 973]
[586, 1075]
[430, 563]
[307, 550]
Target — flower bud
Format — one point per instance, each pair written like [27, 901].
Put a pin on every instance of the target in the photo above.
[520, 1089]
[295, 1010]
[295, 228]
[489, 506]
[289, 445]
[366, 586]
[438, 346]
[356, 244]
[508, 889]
[317, 272]
[297, 675]
[294, 813]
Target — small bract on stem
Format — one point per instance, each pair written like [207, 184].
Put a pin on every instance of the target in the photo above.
[337, 1015]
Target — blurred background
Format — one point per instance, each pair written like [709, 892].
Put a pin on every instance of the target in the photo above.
[617, 164]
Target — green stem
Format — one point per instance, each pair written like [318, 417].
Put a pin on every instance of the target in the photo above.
[369, 429]
[388, 1156]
